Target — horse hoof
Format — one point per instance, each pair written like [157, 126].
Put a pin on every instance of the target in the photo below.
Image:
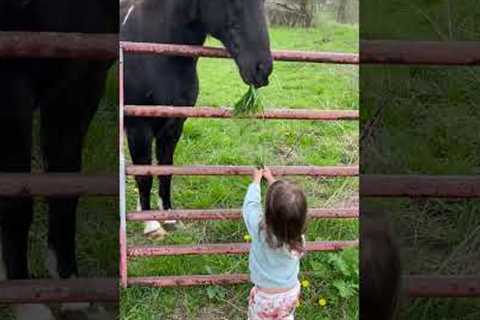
[91, 313]
[154, 230]
[32, 311]
[173, 225]
[74, 306]
[159, 234]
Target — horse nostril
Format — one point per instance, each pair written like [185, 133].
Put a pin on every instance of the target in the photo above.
[260, 67]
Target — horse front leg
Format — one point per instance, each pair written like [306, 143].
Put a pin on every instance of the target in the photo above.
[166, 142]
[62, 138]
[65, 120]
[16, 214]
[140, 140]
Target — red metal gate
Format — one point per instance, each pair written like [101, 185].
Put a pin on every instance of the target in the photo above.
[220, 214]
[373, 52]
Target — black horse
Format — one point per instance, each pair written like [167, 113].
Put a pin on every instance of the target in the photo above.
[160, 80]
[67, 94]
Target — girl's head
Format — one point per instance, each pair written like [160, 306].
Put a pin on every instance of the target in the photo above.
[285, 215]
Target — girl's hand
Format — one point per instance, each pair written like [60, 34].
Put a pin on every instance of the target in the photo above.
[257, 175]
[268, 175]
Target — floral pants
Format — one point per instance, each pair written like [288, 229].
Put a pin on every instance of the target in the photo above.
[273, 306]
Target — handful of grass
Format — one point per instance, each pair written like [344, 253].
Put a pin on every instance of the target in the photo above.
[249, 104]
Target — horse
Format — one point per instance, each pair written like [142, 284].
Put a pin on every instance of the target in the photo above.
[166, 80]
[380, 267]
[66, 93]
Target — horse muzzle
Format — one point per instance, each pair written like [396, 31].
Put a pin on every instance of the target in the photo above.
[258, 73]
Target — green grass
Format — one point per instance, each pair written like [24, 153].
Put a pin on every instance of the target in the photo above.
[428, 125]
[238, 141]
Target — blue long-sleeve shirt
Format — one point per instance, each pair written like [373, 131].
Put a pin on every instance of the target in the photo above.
[269, 268]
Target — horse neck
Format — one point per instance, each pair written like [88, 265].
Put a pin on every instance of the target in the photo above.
[170, 28]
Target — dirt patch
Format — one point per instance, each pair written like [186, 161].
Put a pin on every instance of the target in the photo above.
[211, 313]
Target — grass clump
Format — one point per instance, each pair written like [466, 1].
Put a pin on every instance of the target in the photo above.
[249, 104]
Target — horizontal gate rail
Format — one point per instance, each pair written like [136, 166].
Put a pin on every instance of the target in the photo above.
[58, 45]
[199, 51]
[372, 52]
[56, 185]
[226, 248]
[414, 286]
[187, 281]
[209, 112]
[420, 186]
[230, 214]
[442, 286]
[145, 170]
[50, 291]
[420, 52]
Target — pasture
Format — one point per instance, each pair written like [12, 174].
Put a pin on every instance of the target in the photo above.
[332, 277]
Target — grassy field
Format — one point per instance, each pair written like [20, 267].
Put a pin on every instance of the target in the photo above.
[428, 124]
[206, 141]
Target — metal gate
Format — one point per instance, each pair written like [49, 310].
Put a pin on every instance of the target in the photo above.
[220, 214]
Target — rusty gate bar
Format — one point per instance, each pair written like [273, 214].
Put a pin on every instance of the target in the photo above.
[414, 286]
[49, 291]
[209, 112]
[442, 286]
[201, 51]
[190, 280]
[150, 170]
[225, 248]
[420, 186]
[58, 45]
[123, 211]
[231, 214]
[420, 52]
[56, 185]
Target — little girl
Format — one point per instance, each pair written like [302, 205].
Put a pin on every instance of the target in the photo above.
[277, 246]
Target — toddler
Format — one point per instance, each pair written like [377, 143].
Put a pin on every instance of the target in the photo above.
[277, 246]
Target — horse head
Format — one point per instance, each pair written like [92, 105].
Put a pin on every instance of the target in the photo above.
[241, 26]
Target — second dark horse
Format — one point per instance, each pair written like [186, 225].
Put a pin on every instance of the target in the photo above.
[160, 80]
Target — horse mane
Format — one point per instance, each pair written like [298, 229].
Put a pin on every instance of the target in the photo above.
[125, 6]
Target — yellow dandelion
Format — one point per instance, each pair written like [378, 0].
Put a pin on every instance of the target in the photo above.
[305, 283]
[322, 302]
[247, 237]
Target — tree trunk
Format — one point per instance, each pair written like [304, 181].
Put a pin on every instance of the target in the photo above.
[342, 11]
[293, 13]
[347, 11]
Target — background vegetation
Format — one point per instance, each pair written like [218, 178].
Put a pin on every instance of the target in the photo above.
[426, 122]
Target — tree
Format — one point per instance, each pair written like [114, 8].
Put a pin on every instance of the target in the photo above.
[293, 13]
[347, 11]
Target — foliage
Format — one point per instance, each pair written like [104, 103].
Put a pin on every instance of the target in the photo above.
[249, 104]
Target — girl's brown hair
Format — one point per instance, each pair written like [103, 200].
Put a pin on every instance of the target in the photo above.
[285, 215]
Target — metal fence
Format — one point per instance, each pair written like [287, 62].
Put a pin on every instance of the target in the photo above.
[221, 214]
